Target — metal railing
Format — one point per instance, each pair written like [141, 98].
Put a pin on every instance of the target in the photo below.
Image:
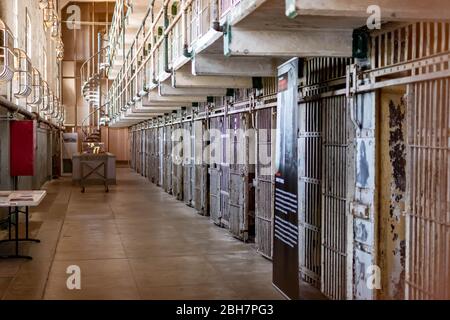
[92, 69]
[164, 38]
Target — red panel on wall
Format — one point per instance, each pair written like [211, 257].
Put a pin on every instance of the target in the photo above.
[22, 147]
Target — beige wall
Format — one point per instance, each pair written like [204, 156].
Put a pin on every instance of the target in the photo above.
[117, 142]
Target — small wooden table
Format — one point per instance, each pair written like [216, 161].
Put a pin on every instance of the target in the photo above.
[14, 200]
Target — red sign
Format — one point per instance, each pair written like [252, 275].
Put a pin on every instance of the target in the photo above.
[22, 147]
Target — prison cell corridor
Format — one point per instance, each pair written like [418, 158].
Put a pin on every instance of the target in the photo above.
[135, 242]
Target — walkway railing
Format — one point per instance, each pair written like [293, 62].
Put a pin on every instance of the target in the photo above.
[165, 37]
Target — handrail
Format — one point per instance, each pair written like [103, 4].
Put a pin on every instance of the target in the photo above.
[148, 65]
[85, 75]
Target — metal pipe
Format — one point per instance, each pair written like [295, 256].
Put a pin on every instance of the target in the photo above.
[14, 108]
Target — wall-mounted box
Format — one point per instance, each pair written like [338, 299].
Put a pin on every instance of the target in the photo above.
[22, 147]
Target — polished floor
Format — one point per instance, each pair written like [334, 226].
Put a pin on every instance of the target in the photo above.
[135, 242]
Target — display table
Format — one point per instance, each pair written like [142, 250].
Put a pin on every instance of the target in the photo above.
[89, 169]
[14, 200]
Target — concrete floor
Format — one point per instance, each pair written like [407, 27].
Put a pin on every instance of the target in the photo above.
[135, 242]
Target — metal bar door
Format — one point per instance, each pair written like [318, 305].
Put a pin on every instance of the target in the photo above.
[214, 169]
[428, 192]
[264, 193]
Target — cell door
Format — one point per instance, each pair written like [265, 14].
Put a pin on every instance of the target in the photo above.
[214, 169]
[161, 156]
[428, 191]
[201, 169]
[323, 177]
[224, 174]
[309, 189]
[241, 197]
[192, 164]
[177, 149]
[168, 159]
[265, 188]
[187, 165]
[155, 155]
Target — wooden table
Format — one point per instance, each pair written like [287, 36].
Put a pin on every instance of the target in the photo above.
[14, 200]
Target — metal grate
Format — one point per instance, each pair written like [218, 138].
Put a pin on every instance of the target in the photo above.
[428, 192]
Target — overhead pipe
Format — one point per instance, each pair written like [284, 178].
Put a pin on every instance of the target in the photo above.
[14, 108]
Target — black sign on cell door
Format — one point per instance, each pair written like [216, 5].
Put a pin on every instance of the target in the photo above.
[285, 244]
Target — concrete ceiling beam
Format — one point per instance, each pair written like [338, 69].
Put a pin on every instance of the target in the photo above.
[391, 10]
[280, 43]
[183, 78]
[156, 99]
[219, 65]
[166, 90]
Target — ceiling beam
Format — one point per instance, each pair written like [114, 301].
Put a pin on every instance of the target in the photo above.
[219, 65]
[297, 43]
